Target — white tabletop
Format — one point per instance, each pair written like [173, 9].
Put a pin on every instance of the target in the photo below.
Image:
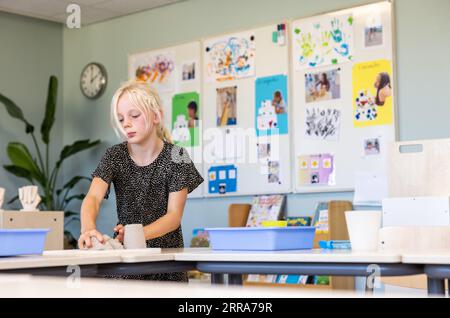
[56, 287]
[441, 257]
[83, 257]
[315, 255]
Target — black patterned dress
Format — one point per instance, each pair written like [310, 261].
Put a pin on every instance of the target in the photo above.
[142, 192]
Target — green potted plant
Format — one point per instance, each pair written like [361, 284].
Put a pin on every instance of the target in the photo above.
[36, 169]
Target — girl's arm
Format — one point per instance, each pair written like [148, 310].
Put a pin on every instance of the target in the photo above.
[89, 212]
[172, 220]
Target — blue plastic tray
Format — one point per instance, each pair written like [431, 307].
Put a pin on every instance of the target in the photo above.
[22, 241]
[262, 238]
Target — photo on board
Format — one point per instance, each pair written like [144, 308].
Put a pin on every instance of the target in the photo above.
[322, 123]
[371, 146]
[373, 36]
[373, 31]
[322, 86]
[188, 71]
[226, 106]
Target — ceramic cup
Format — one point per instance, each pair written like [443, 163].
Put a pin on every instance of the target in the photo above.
[134, 236]
[363, 229]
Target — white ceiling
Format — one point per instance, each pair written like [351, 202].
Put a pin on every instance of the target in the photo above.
[92, 11]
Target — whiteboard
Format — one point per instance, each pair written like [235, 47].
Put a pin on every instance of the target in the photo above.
[245, 124]
[342, 122]
[175, 73]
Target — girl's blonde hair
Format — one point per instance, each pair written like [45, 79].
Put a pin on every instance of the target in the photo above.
[144, 98]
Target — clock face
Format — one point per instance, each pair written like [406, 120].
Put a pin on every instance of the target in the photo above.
[93, 80]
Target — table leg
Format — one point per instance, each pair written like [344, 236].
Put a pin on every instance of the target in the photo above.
[436, 286]
[234, 279]
[217, 279]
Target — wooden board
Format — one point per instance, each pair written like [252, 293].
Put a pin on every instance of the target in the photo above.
[37, 220]
[419, 168]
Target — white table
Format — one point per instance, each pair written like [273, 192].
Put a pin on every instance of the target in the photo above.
[436, 267]
[14, 286]
[302, 262]
[94, 263]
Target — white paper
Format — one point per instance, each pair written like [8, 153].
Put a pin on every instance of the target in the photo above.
[370, 188]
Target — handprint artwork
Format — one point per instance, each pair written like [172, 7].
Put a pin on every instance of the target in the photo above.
[325, 42]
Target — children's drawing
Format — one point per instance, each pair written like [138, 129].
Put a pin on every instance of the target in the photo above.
[263, 150]
[322, 123]
[372, 93]
[316, 169]
[323, 41]
[185, 119]
[226, 103]
[156, 69]
[274, 172]
[230, 57]
[271, 105]
[222, 179]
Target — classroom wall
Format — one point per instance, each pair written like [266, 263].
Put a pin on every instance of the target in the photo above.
[423, 74]
[30, 51]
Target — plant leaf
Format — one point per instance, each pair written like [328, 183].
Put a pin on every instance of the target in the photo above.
[75, 197]
[72, 183]
[20, 156]
[74, 148]
[50, 109]
[15, 112]
[19, 172]
[70, 213]
[13, 200]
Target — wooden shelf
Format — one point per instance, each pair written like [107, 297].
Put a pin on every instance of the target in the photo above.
[307, 286]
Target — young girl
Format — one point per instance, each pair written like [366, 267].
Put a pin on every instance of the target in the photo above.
[151, 176]
[384, 89]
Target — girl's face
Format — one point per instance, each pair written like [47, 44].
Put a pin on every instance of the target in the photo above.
[377, 81]
[133, 121]
[191, 112]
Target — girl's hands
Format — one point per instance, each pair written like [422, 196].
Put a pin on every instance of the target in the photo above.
[85, 238]
[120, 230]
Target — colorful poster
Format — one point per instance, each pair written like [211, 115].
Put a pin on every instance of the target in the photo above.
[322, 86]
[156, 69]
[326, 41]
[231, 57]
[185, 119]
[271, 99]
[226, 103]
[372, 94]
[316, 170]
[222, 179]
[322, 123]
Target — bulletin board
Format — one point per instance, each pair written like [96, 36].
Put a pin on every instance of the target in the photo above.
[245, 118]
[343, 84]
[175, 74]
